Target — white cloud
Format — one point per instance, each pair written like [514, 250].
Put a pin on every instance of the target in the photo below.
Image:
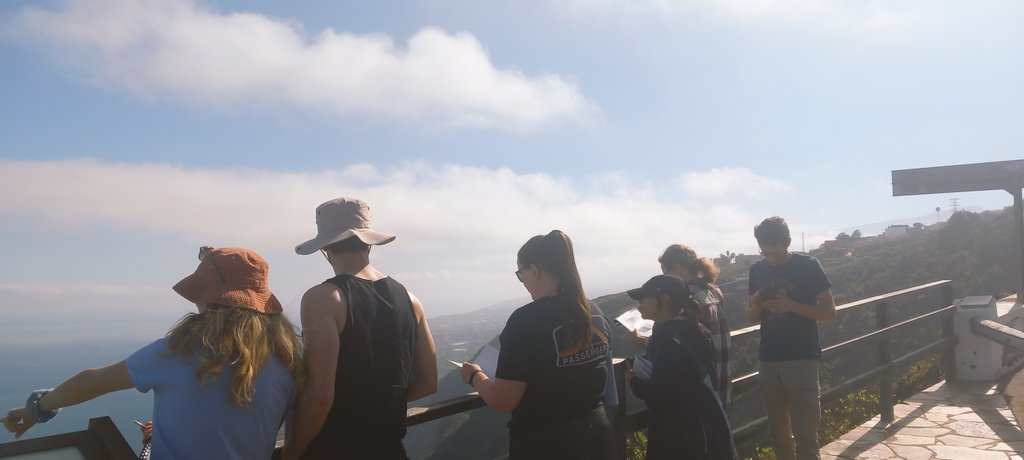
[181, 50]
[459, 227]
[51, 289]
[835, 15]
[732, 182]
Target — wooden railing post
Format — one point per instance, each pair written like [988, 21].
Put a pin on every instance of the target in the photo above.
[949, 357]
[885, 381]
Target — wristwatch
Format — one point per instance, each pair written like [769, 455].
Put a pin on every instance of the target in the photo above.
[34, 411]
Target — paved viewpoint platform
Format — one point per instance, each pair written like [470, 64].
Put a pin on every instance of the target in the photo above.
[957, 421]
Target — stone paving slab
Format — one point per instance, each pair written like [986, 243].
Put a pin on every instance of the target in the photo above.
[955, 421]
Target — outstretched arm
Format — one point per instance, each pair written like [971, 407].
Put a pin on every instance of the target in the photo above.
[83, 386]
[424, 360]
[324, 314]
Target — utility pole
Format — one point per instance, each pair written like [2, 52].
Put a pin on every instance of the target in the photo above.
[803, 245]
[955, 203]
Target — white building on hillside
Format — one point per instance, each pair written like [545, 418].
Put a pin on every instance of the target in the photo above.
[893, 231]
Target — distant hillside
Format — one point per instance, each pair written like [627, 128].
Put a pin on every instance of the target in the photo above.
[459, 336]
[927, 219]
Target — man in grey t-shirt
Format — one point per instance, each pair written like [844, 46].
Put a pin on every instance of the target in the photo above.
[789, 294]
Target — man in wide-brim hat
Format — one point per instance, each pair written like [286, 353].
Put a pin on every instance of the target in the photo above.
[368, 346]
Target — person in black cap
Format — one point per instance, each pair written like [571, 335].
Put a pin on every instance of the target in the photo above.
[676, 378]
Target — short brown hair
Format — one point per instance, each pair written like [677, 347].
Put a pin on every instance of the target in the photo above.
[350, 244]
[773, 231]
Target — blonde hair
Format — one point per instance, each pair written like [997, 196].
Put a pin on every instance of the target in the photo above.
[684, 255]
[242, 337]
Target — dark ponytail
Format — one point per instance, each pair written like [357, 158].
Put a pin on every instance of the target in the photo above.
[553, 253]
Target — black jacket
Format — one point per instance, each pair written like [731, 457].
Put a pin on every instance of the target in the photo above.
[687, 420]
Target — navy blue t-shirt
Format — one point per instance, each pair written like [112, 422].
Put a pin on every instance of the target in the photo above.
[561, 385]
[789, 336]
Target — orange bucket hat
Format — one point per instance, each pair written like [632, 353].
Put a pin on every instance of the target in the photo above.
[233, 277]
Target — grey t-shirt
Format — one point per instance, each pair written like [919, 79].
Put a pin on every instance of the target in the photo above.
[788, 336]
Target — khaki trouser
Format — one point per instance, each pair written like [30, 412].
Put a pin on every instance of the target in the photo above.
[791, 399]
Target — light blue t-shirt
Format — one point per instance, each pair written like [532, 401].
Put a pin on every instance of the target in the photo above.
[194, 421]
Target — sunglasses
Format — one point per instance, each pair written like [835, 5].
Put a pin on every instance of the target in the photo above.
[521, 272]
[204, 256]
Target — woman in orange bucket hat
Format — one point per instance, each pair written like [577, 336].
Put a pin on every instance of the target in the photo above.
[223, 378]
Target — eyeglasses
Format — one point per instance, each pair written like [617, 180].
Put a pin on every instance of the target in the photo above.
[204, 256]
[519, 274]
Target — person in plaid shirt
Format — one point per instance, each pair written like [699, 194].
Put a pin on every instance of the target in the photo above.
[700, 274]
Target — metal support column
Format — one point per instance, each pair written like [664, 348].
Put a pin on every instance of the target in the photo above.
[1018, 215]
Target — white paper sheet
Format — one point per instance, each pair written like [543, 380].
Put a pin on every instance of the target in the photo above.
[634, 322]
[487, 360]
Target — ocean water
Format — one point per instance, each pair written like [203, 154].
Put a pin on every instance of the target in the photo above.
[48, 335]
[29, 367]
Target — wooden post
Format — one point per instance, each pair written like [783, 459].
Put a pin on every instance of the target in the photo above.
[885, 381]
[949, 356]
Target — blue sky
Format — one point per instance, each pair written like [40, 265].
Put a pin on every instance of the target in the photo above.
[132, 132]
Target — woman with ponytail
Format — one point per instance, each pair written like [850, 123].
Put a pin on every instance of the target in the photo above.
[553, 366]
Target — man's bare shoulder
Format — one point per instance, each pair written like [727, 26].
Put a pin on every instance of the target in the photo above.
[417, 307]
[322, 296]
[413, 298]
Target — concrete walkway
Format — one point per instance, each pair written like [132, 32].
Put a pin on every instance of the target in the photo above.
[956, 421]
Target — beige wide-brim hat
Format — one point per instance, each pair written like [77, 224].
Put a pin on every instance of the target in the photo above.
[339, 219]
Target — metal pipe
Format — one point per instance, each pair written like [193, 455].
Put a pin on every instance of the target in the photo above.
[1018, 214]
[999, 333]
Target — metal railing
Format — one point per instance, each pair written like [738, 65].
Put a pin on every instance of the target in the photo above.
[998, 333]
[627, 423]
[888, 365]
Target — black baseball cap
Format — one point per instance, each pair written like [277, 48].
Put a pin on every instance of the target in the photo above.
[677, 290]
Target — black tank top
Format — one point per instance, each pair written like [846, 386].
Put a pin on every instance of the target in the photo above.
[372, 380]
